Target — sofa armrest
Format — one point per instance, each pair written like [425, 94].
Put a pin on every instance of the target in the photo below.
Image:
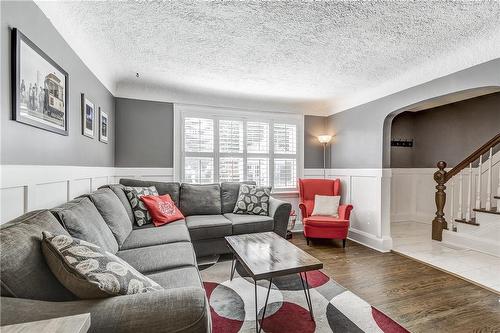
[280, 211]
[303, 210]
[171, 310]
[345, 211]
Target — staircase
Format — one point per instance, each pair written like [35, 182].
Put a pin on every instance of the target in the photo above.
[472, 189]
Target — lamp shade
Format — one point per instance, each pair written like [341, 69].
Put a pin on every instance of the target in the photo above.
[324, 138]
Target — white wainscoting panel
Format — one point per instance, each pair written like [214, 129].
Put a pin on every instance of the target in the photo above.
[28, 187]
[368, 190]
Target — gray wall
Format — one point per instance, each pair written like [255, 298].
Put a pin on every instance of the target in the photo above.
[362, 134]
[313, 150]
[23, 144]
[449, 132]
[144, 133]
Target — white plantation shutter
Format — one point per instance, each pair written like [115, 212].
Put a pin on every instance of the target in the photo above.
[285, 139]
[219, 148]
[257, 137]
[258, 170]
[230, 136]
[198, 135]
[285, 173]
[231, 169]
[199, 170]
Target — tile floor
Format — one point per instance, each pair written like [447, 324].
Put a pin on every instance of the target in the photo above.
[414, 240]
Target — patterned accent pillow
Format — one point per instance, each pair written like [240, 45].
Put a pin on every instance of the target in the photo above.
[141, 213]
[88, 271]
[253, 200]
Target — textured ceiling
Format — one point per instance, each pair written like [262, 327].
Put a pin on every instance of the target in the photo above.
[323, 56]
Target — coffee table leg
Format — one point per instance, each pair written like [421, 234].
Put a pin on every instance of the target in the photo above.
[307, 294]
[233, 267]
[258, 326]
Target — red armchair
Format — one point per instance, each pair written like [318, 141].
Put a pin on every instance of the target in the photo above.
[322, 226]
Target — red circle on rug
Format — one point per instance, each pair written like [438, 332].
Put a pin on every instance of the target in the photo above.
[289, 318]
[316, 278]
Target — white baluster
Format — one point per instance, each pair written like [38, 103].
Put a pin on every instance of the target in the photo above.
[452, 201]
[498, 190]
[478, 183]
[469, 191]
[488, 184]
[460, 214]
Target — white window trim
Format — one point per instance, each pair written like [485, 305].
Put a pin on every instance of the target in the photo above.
[182, 111]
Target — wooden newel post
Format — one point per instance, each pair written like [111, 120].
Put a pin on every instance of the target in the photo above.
[439, 222]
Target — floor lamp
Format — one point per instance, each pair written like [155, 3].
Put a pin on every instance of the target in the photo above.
[324, 139]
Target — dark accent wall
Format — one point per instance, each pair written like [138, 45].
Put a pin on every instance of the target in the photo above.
[313, 150]
[362, 134]
[449, 132]
[23, 144]
[144, 133]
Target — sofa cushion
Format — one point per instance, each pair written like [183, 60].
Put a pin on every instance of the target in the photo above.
[118, 190]
[141, 213]
[178, 278]
[253, 200]
[200, 199]
[24, 271]
[89, 271]
[170, 233]
[163, 188]
[229, 194]
[113, 213]
[208, 226]
[247, 224]
[83, 221]
[160, 257]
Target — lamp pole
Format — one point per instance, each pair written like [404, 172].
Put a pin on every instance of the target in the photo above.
[324, 139]
[324, 160]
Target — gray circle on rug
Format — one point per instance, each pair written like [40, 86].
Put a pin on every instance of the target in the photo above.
[227, 303]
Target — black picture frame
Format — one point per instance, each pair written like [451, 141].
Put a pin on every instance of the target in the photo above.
[103, 126]
[48, 110]
[88, 109]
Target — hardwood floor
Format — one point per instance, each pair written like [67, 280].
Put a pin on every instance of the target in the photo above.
[417, 296]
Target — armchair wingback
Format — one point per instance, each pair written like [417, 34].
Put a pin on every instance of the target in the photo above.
[322, 226]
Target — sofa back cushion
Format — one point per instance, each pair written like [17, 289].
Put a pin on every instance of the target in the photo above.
[172, 188]
[118, 190]
[229, 194]
[25, 273]
[82, 220]
[200, 199]
[113, 213]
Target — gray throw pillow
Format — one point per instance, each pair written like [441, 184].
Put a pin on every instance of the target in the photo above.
[140, 210]
[88, 271]
[253, 200]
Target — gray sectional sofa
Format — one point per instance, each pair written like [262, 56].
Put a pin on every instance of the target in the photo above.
[166, 254]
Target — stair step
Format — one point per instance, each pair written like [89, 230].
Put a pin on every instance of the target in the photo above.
[493, 210]
[471, 222]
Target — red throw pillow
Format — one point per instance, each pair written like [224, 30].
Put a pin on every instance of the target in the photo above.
[162, 209]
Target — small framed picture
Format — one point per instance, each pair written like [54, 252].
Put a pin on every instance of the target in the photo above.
[40, 87]
[88, 117]
[103, 126]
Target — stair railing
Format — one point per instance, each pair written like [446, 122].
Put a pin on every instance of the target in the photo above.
[441, 176]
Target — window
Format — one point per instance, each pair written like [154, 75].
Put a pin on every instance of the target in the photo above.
[240, 146]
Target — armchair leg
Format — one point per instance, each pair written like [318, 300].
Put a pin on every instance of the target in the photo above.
[343, 243]
[307, 241]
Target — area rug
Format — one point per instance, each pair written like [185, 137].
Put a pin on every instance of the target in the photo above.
[335, 308]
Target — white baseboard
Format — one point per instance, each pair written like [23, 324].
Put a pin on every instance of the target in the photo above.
[382, 244]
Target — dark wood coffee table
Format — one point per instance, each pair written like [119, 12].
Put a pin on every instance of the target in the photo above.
[266, 255]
